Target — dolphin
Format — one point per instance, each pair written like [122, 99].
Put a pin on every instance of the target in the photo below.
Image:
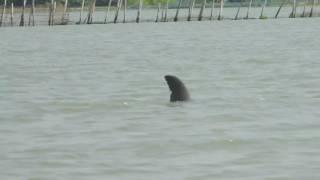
[178, 90]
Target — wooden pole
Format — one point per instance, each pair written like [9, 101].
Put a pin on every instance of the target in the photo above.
[54, 12]
[91, 12]
[63, 18]
[311, 12]
[237, 15]
[304, 10]
[162, 14]
[221, 10]
[3, 13]
[107, 13]
[139, 11]
[264, 5]
[50, 13]
[158, 11]
[294, 7]
[22, 13]
[191, 6]
[11, 15]
[212, 10]
[124, 11]
[166, 12]
[177, 12]
[117, 11]
[31, 16]
[81, 11]
[203, 6]
[282, 4]
[249, 8]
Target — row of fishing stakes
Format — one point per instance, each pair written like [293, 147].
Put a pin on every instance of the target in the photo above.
[162, 11]
[31, 21]
[89, 18]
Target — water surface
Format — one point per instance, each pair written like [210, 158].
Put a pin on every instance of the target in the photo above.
[90, 102]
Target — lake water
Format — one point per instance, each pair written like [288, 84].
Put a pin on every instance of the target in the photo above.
[90, 102]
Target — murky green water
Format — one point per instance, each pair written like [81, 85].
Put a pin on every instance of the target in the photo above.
[90, 102]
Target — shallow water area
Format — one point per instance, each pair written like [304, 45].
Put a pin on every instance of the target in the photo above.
[91, 102]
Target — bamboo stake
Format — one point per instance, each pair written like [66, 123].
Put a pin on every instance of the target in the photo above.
[220, 17]
[108, 9]
[158, 11]
[11, 15]
[166, 12]
[50, 13]
[117, 11]
[249, 8]
[22, 13]
[304, 10]
[191, 6]
[54, 12]
[139, 11]
[3, 13]
[202, 9]
[264, 5]
[81, 11]
[91, 12]
[311, 12]
[294, 7]
[31, 16]
[237, 15]
[177, 13]
[63, 19]
[124, 11]
[162, 14]
[282, 4]
[212, 9]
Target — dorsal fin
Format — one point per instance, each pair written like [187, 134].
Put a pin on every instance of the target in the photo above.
[178, 90]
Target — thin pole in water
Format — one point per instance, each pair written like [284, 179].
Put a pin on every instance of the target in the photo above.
[50, 13]
[81, 11]
[158, 11]
[282, 4]
[63, 18]
[162, 14]
[3, 13]
[311, 12]
[191, 6]
[294, 7]
[91, 11]
[108, 9]
[249, 8]
[203, 6]
[220, 17]
[31, 16]
[117, 11]
[124, 11]
[139, 11]
[11, 15]
[264, 5]
[54, 11]
[166, 12]
[177, 12]
[212, 9]
[237, 15]
[22, 13]
[304, 10]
